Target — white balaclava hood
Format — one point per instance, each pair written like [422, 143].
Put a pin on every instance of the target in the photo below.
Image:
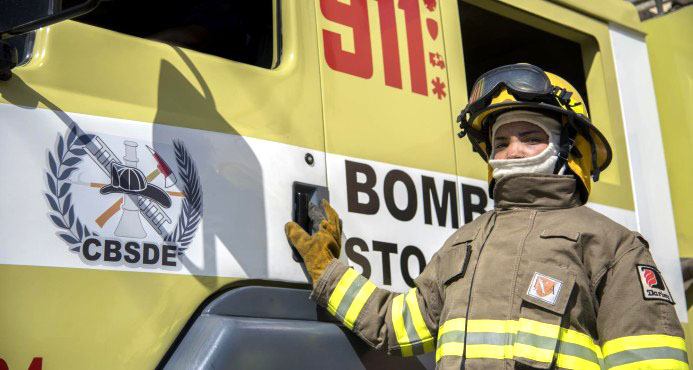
[543, 162]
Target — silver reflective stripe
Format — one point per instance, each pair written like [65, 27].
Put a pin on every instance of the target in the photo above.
[451, 336]
[537, 340]
[499, 339]
[349, 296]
[534, 340]
[642, 354]
[416, 344]
[577, 350]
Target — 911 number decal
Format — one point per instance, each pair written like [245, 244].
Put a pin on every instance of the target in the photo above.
[360, 62]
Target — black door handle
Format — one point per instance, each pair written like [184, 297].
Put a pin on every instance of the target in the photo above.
[303, 196]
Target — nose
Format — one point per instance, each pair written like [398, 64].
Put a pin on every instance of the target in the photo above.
[515, 150]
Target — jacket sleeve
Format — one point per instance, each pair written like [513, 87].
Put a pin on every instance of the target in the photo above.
[403, 324]
[637, 324]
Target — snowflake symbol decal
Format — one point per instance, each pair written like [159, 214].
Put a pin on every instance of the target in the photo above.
[430, 4]
[439, 88]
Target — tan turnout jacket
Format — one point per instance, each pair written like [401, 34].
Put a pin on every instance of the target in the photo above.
[540, 282]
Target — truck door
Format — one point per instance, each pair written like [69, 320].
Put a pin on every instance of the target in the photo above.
[388, 133]
[206, 133]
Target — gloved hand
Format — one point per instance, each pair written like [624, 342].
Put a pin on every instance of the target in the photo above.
[320, 248]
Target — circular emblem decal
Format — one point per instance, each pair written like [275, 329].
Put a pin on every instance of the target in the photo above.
[133, 224]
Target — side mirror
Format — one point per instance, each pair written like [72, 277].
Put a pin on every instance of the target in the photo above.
[8, 52]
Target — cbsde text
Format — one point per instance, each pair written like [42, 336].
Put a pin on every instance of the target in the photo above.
[129, 252]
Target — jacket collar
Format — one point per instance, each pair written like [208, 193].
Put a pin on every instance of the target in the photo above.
[536, 191]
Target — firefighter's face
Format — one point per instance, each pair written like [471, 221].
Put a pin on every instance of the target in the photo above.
[518, 140]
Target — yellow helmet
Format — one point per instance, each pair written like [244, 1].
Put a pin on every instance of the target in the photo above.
[524, 86]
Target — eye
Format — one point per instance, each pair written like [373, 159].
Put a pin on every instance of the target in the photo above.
[535, 140]
[500, 146]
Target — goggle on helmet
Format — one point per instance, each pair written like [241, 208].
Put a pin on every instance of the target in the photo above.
[525, 86]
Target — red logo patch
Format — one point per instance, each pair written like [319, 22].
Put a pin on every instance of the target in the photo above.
[653, 286]
[650, 277]
[544, 286]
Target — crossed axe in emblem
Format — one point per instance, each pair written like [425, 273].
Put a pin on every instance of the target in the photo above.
[104, 157]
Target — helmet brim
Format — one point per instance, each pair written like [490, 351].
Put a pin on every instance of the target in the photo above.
[604, 153]
[152, 192]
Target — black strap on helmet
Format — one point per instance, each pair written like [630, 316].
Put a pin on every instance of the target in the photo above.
[568, 133]
[475, 136]
[593, 148]
[585, 132]
[566, 142]
[464, 125]
[562, 95]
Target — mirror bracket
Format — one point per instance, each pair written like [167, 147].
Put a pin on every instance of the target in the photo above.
[48, 20]
[8, 60]
[8, 53]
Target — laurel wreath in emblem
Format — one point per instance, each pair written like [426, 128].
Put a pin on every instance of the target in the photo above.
[192, 203]
[69, 152]
[63, 161]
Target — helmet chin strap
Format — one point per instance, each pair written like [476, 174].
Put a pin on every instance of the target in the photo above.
[566, 143]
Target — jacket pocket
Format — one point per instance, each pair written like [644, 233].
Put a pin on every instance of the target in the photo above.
[545, 291]
[571, 235]
[456, 265]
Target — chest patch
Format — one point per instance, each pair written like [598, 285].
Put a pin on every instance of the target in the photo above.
[653, 286]
[544, 288]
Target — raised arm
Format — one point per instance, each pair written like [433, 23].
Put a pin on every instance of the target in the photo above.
[403, 324]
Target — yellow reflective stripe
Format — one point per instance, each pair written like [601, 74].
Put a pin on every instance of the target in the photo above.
[527, 328]
[539, 328]
[572, 362]
[642, 341]
[398, 325]
[451, 325]
[533, 353]
[572, 336]
[657, 364]
[358, 303]
[419, 323]
[492, 326]
[489, 351]
[340, 290]
[449, 349]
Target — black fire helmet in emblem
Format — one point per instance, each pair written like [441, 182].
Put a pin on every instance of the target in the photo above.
[130, 180]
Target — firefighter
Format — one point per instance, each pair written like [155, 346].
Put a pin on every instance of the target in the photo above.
[541, 281]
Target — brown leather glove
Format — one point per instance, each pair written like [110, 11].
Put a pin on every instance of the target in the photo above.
[320, 248]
